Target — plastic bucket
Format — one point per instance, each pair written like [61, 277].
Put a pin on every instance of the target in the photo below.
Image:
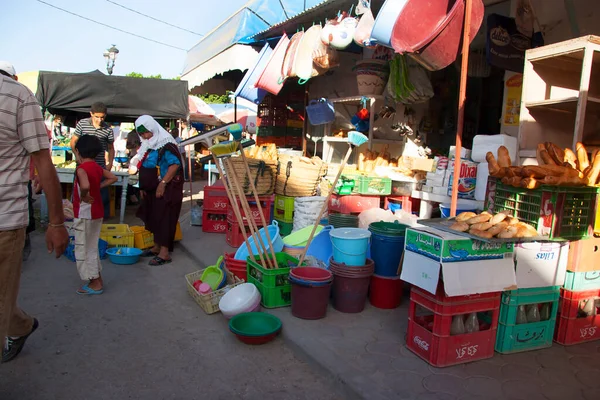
[445, 209]
[350, 245]
[291, 279]
[386, 251]
[385, 292]
[350, 294]
[310, 302]
[242, 252]
[311, 274]
[320, 247]
[270, 79]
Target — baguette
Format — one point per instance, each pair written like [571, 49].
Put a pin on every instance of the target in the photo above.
[515, 181]
[499, 227]
[464, 216]
[595, 171]
[482, 226]
[565, 181]
[530, 183]
[509, 172]
[558, 170]
[493, 167]
[582, 157]
[557, 154]
[483, 217]
[503, 157]
[571, 159]
[594, 154]
[543, 156]
[483, 234]
[460, 226]
[496, 219]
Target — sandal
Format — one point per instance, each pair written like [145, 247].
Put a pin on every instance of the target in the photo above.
[87, 290]
[159, 261]
[148, 253]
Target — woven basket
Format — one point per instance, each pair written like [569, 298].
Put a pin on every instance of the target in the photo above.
[297, 178]
[263, 175]
[371, 76]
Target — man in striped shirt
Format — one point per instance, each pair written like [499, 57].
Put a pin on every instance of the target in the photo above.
[96, 126]
[22, 135]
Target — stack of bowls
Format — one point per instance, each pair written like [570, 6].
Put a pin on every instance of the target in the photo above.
[242, 298]
[311, 288]
[343, 220]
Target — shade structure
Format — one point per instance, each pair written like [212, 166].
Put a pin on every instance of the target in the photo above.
[245, 116]
[201, 112]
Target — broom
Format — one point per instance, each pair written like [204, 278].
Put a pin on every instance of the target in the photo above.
[354, 139]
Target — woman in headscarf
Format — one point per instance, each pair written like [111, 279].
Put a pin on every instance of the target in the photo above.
[161, 183]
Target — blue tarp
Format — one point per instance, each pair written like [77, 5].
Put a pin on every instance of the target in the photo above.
[254, 17]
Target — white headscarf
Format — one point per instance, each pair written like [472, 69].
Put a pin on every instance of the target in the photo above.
[159, 138]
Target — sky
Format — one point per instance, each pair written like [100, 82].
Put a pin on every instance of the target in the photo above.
[39, 37]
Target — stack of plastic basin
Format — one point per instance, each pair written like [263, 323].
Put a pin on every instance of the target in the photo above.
[311, 289]
[236, 267]
[350, 285]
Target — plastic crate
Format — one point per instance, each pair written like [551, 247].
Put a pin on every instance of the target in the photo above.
[142, 238]
[562, 213]
[569, 301]
[234, 236]
[444, 351]
[273, 297]
[277, 141]
[584, 255]
[293, 142]
[570, 331]
[577, 281]
[266, 131]
[70, 250]
[214, 222]
[285, 228]
[526, 337]
[284, 208]
[265, 204]
[352, 204]
[295, 123]
[375, 186]
[118, 235]
[210, 302]
[215, 199]
[347, 184]
[511, 300]
[272, 277]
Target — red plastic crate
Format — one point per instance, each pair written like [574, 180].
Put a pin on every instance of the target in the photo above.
[352, 204]
[277, 141]
[293, 141]
[214, 226]
[441, 320]
[442, 304]
[234, 236]
[265, 203]
[444, 351]
[571, 331]
[215, 199]
[569, 301]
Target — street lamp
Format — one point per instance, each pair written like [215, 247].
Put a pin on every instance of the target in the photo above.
[111, 55]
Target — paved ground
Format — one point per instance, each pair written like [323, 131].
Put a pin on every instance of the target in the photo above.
[367, 354]
[144, 338]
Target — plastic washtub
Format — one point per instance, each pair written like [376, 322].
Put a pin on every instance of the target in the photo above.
[255, 328]
[300, 237]
[270, 79]
[246, 88]
[242, 252]
[384, 23]
[321, 247]
[124, 255]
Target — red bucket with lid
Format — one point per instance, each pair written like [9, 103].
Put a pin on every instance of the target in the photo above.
[385, 292]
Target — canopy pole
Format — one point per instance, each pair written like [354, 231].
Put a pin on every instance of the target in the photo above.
[462, 97]
[235, 109]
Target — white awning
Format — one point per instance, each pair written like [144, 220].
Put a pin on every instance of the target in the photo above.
[238, 56]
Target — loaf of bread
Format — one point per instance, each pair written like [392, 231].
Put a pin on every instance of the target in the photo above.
[499, 227]
[512, 221]
[571, 159]
[465, 216]
[481, 226]
[460, 226]
[557, 154]
[594, 172]
[565, 181]
[493, 167]
[483, 234]
[582, 157]
[543, 156]
[496, 219]
[509, 232]
[504, 160]
[530, 183]
[483, 217]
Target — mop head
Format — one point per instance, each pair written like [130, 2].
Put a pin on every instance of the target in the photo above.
[236, 131]
[224, 149]
[356, 138]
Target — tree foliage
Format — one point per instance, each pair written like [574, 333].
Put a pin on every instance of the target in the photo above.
[138, 75]
[211, 98]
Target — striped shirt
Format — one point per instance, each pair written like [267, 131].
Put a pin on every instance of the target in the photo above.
[22, 132]
[104, 133]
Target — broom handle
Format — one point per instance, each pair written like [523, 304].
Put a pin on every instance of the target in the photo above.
[260, 247]
[256, 198]
[324, 207]
[234, 204]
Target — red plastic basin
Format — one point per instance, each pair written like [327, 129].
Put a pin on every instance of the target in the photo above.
[313, 274]
[255, 340]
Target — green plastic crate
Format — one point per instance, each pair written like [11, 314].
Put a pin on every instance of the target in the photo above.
[375, 185]
[526, 337]
[284, 208]
[580, 281]
[264, 131]
[562, 213]
[285, 228]
[280, 296]
[512, 299]
[271, 277]
[347, 184]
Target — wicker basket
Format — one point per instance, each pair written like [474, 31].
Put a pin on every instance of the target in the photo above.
[297, 178]
[371, 76]
[210, 302]
[263, 175]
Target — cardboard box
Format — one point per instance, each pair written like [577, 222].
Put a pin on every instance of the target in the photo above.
[435, 182]
[468, 266]
[418, 164]
[541, 264]
[441, 190]
[437, 174]
[464, 153]
[427, 188]
[467, 180]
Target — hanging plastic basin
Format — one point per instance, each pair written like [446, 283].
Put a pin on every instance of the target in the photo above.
[300, 237]
[311, 274]
[321, 247]
[242, 252]
[304, 64]
[445, 209]
[350, 245]
[384, 23]
[387, 247]
[247, 89]
[445, 44]
[271, 80]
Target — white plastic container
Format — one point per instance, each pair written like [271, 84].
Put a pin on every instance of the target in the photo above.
[482, 178]
[484, 143]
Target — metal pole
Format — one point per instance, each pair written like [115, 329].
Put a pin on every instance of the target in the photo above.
[235, 109]
[462, 97]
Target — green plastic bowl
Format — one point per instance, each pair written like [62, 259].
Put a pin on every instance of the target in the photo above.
[255, 324]
[300, 238]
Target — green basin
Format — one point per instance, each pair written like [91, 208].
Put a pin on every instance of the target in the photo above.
[254, 324]
[299, 238]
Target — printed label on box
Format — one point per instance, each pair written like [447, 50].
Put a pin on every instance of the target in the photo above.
[467, 179]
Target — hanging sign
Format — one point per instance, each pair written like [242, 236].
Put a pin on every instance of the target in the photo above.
[505, 44]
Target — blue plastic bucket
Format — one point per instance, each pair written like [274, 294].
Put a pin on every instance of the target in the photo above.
[386, 251]
[445, 209]
[350, 245]
[321, 247]
[242, 252]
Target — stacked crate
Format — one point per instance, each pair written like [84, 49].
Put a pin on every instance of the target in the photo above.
[430, 319]
[276, 124]
[283, 213]
[235, 237]
[577, 321]
[273, 284]
[214, 215]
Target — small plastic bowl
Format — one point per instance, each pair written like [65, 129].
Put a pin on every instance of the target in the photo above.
[124, 255]
[255, 327]
[238, 300]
